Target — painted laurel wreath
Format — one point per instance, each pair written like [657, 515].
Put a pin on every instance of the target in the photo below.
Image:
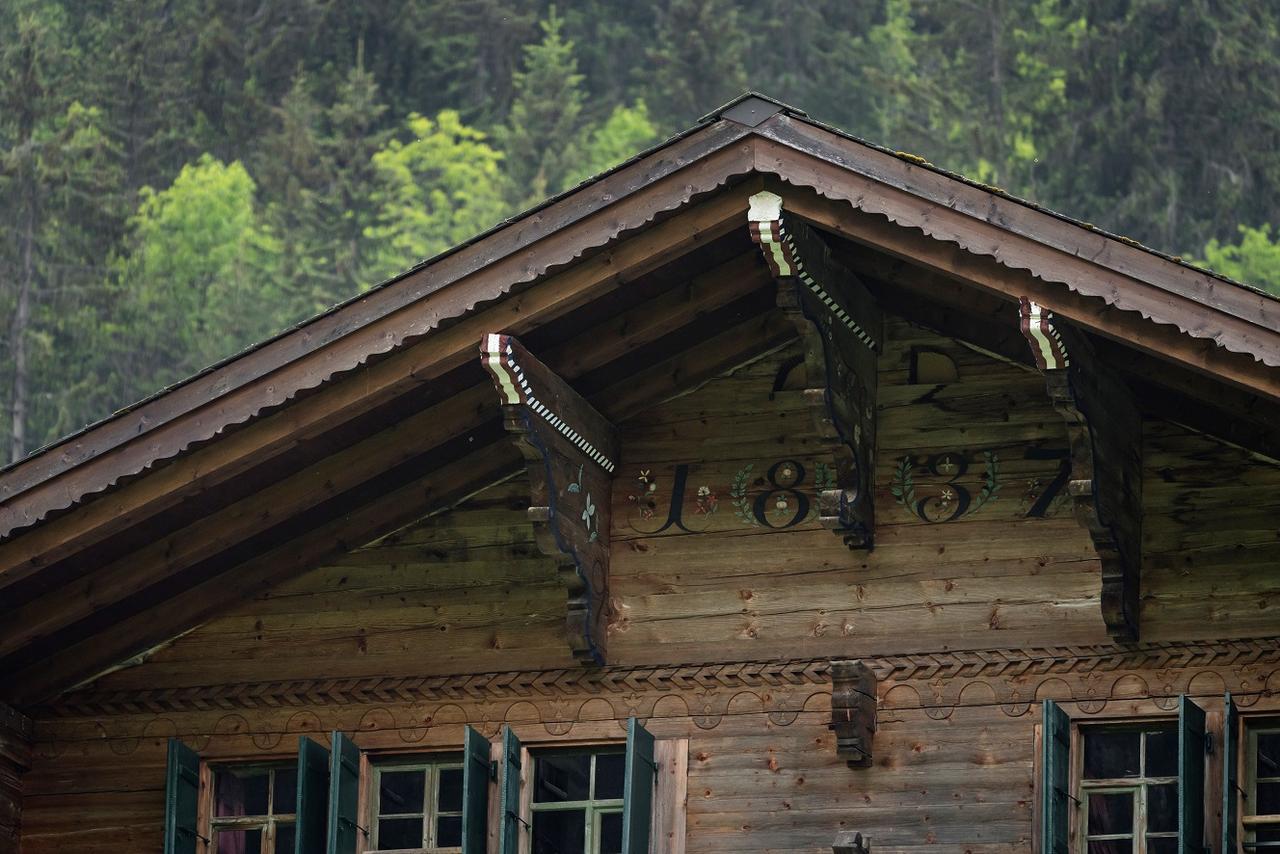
[952, 500]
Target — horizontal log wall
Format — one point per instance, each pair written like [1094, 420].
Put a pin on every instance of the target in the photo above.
[968, 624]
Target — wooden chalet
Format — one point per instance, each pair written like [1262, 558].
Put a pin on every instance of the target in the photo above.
[772, 492]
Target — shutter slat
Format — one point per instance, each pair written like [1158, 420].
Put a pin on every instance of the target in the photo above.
[344, 796]
[475, 793]
[181, 799]
[1191, 749]
[639, 780]
[1055, 785]
[509, 803]
[312, 798]
[1230, 776]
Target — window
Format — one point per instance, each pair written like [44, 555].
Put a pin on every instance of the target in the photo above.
[1262, 787]
[253, 810]
[578, 801]
[1123, 788]
[418, 806]
[1129, 789]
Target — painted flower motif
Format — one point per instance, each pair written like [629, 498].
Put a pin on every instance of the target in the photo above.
[706, 502]
[589, 513]
[948, 495]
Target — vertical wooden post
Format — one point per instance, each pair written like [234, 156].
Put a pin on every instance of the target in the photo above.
[15, 759]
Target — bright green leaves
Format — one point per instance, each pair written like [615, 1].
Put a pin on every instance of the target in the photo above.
[442, 187]
[1255, 260]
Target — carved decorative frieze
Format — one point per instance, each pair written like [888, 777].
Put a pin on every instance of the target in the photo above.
[1104, 432]
[571, 453]
[841, 329]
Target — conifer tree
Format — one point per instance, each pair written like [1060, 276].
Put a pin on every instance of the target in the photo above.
[540, 137]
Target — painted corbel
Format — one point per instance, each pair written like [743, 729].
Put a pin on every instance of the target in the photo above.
[1104, 433]
[571, 453]
[841, 329]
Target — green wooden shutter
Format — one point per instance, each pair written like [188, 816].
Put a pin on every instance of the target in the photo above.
[344, 796]
[475, 793]
[1230, 776]
[1190, 777]
[509, 803]
[1055, 782]
[640, 779]
[313, 797]
[181, 799]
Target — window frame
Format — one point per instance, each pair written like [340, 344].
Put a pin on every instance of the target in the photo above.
[268, 822]
[1250, 821]
[433, 762]
[1138, 786]
[594, 808]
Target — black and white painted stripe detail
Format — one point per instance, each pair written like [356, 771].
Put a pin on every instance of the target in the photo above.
[502, 359]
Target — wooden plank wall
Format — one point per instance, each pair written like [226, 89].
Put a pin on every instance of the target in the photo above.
[968, 623]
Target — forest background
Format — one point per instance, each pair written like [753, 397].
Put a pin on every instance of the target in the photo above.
[179, 179]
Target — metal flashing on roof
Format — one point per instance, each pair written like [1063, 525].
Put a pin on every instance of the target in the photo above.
[751, 111]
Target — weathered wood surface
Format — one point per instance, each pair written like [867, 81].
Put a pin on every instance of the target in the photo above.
[15, 758]
[951, 616]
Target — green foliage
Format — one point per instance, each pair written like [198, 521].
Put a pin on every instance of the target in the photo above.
[543, 126]
[1255, 260]
[442, 187]
[626, 132]
[200, 276]
[1160, 121]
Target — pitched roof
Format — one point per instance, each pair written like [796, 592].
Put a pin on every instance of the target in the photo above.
[374, 413]
[752, 133]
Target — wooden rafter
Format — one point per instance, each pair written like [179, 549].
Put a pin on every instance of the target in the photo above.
[841, 328]
[571, 453]
[1104, 431]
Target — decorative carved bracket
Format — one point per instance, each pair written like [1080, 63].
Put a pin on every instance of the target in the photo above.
[851, 842]
[841, 328]
[1104, 431]
[571, 452]
[853, 710]
[15, 759]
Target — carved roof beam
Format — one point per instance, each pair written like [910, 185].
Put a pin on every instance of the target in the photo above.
[571, 453]
[1104, 431]
[842, 330]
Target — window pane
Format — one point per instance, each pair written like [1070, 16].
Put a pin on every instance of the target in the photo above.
[286, 838]
[399, 833]
[449, 831]
[1267, 835]
[1162, 808]
[611, 832]
[1268, 798]
[562, 778]
[284, 799]
[401, 792]
[1111, 812]
[450, 799]
[559, 831]
[1111, 754]
[240, 792]
[1111, 846]
[1162, 753]
[610, 768]
[1162, 845]
[1269, 754]
[238, 842]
